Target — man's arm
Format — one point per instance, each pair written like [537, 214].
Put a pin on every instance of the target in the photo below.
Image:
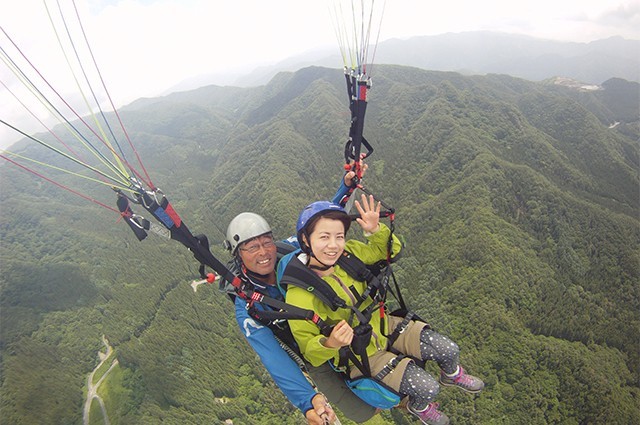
[284, 371]
[347, 186]
[344, 189]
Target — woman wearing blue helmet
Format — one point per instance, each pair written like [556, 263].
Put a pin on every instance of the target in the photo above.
[321, 231]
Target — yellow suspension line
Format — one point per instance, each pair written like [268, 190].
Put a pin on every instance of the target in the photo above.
[44, 102]
[105, 138]
[44, 164]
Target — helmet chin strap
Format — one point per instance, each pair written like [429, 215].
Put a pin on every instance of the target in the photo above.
[323, 267]
[306, 248]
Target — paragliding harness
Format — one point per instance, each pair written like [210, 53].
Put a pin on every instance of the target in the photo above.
[369, 388]
[275, 317]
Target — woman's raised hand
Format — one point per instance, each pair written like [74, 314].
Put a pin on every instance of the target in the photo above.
[369, 214]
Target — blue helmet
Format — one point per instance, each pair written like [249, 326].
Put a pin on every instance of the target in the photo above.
[317, 209]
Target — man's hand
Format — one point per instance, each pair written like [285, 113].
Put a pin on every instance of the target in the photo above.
[348, 177]
[322, 413]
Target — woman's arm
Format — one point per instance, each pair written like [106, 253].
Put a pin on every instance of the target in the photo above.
[307, 334]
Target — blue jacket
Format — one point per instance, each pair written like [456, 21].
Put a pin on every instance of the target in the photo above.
[283, 370]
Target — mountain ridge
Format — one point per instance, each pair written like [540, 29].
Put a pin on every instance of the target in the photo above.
[476, 52]
[517, 201]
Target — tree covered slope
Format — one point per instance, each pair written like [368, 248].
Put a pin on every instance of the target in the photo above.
[518, 202]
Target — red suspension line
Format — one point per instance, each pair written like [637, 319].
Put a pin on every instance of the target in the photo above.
[115, 110]
[60, 185]
[74, 112]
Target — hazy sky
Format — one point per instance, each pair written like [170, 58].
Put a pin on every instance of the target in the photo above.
[144, 47]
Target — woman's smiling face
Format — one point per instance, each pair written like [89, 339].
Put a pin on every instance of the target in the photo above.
[327, 241]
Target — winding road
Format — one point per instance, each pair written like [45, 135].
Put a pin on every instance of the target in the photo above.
[92, 389]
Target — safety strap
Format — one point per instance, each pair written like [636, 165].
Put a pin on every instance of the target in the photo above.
[204, 241]
[282, 309]
[286, 312]
[357, 92]
[376, 288]
[402, 326]
[138, 224]
[158, 205]
[389, 367]
[346, 354]
[298, 274]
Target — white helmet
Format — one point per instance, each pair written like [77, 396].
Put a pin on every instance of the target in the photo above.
[243, 227]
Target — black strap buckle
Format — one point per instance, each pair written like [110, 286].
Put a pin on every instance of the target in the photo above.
[389, 367]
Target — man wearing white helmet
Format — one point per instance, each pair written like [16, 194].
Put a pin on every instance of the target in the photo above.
[251, 242]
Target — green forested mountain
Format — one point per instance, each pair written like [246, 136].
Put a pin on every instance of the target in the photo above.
[518, 202]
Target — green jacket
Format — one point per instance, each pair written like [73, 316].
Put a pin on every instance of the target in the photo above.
[307, 334]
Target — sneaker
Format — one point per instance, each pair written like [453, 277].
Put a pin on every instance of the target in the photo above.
[430, 415]
[468, 383]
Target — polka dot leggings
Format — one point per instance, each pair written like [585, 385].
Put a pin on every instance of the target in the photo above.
[418, 384]
[445, 352]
